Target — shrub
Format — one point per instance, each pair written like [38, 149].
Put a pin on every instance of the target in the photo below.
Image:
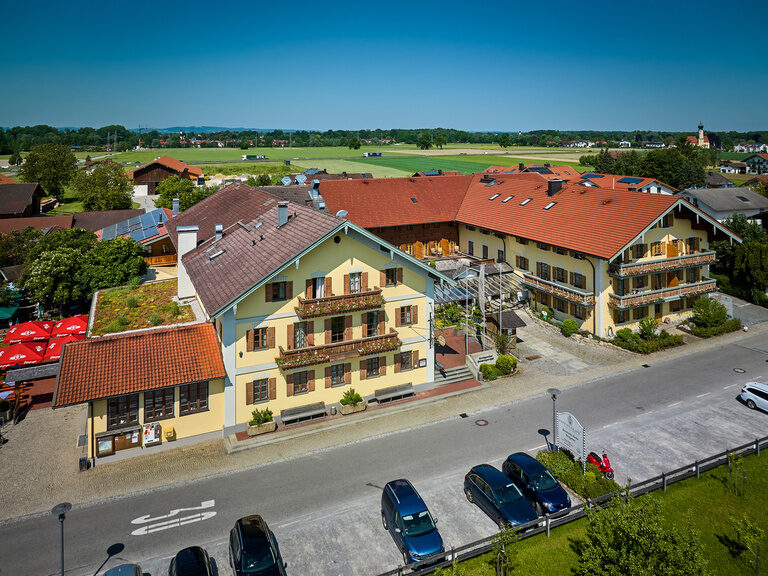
[122, 320]
[261, 417]
[350, 398]
[501, 343]
[628, 340]
[505, 364]
[708, 313]
[489, 372]
[134, 282]
[728, 326]
[647, 328]
[155, 319]
[591, 484]
[132, 302]
[546, 312]
[569, 327]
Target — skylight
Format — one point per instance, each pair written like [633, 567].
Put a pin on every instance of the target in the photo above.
[507, 199]
[524, 202]
[742, 198]
[548, 206]
[414, 200]
[493, 197]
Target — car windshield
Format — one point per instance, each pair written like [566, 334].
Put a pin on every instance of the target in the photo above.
[543, 481]
[508, 494]
[418, 524]
[257, 558]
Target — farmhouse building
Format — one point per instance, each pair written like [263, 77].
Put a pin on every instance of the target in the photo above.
[757, 164]
[628, 183]
[743, 147]
[20, 200]
[149, 175]
[717, 180]
[722, 203]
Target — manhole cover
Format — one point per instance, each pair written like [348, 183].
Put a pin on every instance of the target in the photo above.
[739, 370]
[536, 357]
[481, 422]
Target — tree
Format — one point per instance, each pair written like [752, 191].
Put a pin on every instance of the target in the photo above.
[251, 181]
[77, 239]
[244, 145]
[185, 190]
[15, 159]
[504, 140]
[54, 278]
[52, 166]
[632, 538]
[501, 342]
[440, 141]
[264, 180]
[424, 141]
[106, 188]
[354, 143]
[762, 188]
[15, 245]
[112, 263]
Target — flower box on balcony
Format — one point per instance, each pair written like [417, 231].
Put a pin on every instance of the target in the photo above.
[380, 346]
[339, 304]
[302, 360]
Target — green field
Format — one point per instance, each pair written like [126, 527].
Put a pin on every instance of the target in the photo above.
[350, 166]
[464, 164]
[735, 156]
[708, 498]
[247, 168]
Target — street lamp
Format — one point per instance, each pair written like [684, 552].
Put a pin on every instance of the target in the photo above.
[554, 392]
[61, 510]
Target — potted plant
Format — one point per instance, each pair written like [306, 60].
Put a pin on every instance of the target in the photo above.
[352, 402]
[261, 423]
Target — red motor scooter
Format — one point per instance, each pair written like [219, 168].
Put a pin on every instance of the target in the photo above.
[602, 463]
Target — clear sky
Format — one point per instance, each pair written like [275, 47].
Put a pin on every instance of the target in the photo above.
[473, 65]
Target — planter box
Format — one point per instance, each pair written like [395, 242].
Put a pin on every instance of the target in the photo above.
[351, 409]
[262, 428]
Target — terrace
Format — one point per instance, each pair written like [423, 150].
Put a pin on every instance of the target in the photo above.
[655, 296]
[311, 355]
[343, 303]
[629, 269]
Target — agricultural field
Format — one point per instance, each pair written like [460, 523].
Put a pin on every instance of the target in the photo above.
[351, 166]
[734, 156]
[237, 168]
[464, 164]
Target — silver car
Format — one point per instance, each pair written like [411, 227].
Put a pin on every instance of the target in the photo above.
[755, 395]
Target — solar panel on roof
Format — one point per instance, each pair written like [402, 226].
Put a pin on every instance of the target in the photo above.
[540, 169]
[628, 180]
[137, 235]
[593, 175]
[431, 173]
[152, 231]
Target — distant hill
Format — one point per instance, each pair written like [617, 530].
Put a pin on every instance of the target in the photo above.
[203, 129]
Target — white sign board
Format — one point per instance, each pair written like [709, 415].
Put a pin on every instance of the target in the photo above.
[571, 436]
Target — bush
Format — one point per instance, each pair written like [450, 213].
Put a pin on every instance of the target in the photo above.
[569, 327]
[708, 313]
[546, 312]
[501, 342]
[489, 372]
[350, 398]
[647, 328]
[591, 484]
[122, 320]
[505, 364]
[132, 302]
[261, 417]
[155, 319]
[134, 282]
[629, 340]
[728, 326]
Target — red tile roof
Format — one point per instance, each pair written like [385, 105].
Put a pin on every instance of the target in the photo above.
[134, 362]
[173, 164]
[564, 172]
[612, 181]
[6, 180]
[695, 140]
[8, 225]
[396, 201]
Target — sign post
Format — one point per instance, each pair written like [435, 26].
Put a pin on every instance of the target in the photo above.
[572, 436]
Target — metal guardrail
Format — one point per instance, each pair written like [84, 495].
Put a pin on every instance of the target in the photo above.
[545, 524]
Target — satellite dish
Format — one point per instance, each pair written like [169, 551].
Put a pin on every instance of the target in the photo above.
[341, 214]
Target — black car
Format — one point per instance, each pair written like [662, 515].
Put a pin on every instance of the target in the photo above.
[537, 483]
[192, 561]
[253, 550]
[497, 496]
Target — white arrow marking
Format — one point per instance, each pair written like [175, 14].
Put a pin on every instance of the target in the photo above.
[175, 523]
[148, 518]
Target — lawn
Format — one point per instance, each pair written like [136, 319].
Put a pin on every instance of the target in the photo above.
[739, 179]
[247, 168]
[125, 308]
[708, 498]
[464, 164]
[70, 204]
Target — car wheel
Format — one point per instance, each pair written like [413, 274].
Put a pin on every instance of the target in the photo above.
[468, 494]
[609, 475]
[384, 521]
[751, 404]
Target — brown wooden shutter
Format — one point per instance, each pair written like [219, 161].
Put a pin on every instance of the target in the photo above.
[271, 337]
[308, 290]
[327, 376]
[311, 333]
[328, 284]
[414, 314]
[348, 327]
[571, 277]
[249, 338]
[382, 365]
[289, 290]
[380, 329]
[249, 392]
[398, 315]
[291, 340]
[272, 388]
[382, 278]
[346, 283]
[399, 275]
[363, 373]
[364, 323]
[397, 363]
[268, 292]
[311, 381]
[415, 359]
[347, 373]
[365, 281]
[538, 269]
[289, 385]
[327, 330]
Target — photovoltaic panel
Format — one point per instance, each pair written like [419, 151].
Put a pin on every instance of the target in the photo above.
[593, 175]
[137, 235]
[628, 180]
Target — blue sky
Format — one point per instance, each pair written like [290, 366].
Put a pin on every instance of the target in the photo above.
[365, 64]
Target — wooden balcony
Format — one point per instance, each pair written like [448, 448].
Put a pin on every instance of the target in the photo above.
[662, 265]
[566, 292]
[312, 308]
[656, 296]
[164, 260]
[322, 354]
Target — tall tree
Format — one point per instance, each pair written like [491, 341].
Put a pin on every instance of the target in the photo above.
[112, 263]
[76, 239]
[504, 140]
[424, 141]
[106, 188]
[53, 278]
[15, 245]
[354, 143]
[440, 141]
[52, 166]
[185, 190]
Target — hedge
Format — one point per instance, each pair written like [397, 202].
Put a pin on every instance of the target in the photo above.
[728, 326]
[591, 484]
[629, 340]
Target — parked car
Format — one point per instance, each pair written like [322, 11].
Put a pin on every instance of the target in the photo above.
[755, 395]
[536, 483]
[497, 496]
[406, 517]
[253, 549]
[124, 570]
[192, 561]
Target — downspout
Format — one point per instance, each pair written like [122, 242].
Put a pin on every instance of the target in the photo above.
[93, 434]
[594, 308]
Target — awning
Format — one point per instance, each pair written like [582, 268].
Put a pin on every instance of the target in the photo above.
[22, 354]
[29, 331]
[67, 326]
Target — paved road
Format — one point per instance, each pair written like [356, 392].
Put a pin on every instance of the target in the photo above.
[324, 507]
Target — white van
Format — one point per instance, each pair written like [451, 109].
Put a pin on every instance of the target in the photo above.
[755, 395]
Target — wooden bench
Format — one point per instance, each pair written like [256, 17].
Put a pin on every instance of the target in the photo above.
[393, 393]
[306, 412]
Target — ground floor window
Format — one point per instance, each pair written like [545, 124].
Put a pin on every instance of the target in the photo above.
[372, 367]
[300, 380]
[406, 361]
[122, 411]
[337, 374]
[560, 304]
[620, 316]
[639, 313]
[578, 311]
[158, 404]
[675, 306]
[193, 398]
[261, 390]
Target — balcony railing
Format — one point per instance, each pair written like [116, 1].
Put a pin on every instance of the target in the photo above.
[661, 265]
[311, 355]
[655, 296]
[566, 292]
[311, 308]
[164, 260]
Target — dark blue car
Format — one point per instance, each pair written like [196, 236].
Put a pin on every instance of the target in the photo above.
[497, 496]
[537, 483]
[406, 517]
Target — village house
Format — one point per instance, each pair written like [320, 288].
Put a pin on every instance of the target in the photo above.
[730, 167]
[148, 229]
[722, 203]
[629, 183]
[717, 180]
[147, 176]
[757, 164]
[743, 147]
[20, 200]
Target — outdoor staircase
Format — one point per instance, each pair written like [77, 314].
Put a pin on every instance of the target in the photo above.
[452, 375]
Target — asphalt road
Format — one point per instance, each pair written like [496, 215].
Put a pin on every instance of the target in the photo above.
[323, 507]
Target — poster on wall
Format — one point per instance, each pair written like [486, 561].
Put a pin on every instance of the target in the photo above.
[151, 434]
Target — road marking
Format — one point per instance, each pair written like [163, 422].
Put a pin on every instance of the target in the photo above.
[729, 386]
[168, 520]
[609, 425]
[705, 394]
[674, 404]
[536, 448]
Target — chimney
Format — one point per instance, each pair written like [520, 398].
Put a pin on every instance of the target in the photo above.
[547, 165]
[219, 232]
[554, 186]
[186, 242]
[521, 166]
[175, 207]
[282, 213]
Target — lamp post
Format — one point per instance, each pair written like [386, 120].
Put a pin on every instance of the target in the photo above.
[61, 510]
[554, 392]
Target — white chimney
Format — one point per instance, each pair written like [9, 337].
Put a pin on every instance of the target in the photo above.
[219, 232]
[187, 241]
[175, 207]
[282, 213]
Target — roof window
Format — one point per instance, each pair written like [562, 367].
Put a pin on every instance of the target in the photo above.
[493, 197]
[548, 206]
[414, 200]
[524, 202]
[507, 199]
[742, 198]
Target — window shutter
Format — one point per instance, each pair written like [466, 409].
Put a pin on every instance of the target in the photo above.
[289, 290]
[249, 393]
[348, 327]
[571, 278]
[311, 381]
[573, 309]
[289, 385]
[327, 330]
[382, 365]
[364, 323]
[399, 275]
[346, 283]
[249, 338]
[414, 314]
[327, 376]
[272, 388]
[308, 290]
[311, 333]
[398, 312]
[347, 373]
[381, 323]
[271, 337]
[382, 278]
[363, 373]
[397, 363]
[328, 285]
[290, 332]
[415, 360]
[365, 281]
[268, 292]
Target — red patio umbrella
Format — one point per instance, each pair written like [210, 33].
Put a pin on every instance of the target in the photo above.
[22, 354]
[29, 331]
[56, 345]
[67, 326]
